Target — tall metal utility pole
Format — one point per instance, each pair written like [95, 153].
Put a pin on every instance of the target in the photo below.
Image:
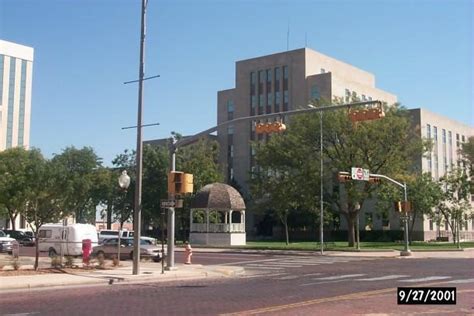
[321, 156]
[138, 185]
[171, 214]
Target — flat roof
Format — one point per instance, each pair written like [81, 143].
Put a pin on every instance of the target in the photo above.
[16, 50]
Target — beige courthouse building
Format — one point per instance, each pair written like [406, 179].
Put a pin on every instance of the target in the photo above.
[290, 80]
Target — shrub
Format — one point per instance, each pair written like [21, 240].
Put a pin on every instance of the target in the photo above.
[56, 262]
[69, 261]
[16, 264]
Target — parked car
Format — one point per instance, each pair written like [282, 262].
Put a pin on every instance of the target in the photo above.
[67, 240]
[109, 248]
[6, 242]
[107, 234]
[21, 237]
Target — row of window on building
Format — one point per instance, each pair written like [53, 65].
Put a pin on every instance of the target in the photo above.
[447, 150]
[266, 88]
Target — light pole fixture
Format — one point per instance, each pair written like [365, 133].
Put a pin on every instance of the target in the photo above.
[124, 183]
[124, 180]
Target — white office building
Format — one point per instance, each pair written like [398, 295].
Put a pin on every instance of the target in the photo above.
[16, 70]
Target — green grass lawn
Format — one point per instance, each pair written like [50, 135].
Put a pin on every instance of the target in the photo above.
[364, 246]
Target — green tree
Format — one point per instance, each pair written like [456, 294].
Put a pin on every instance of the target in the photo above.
[424, 195]
[467, 151]
[45, 195]
[155, 173]
[14, 165]
[77, 169]
[456, 204]
[200, 159]
[384, 146]
[122, 202]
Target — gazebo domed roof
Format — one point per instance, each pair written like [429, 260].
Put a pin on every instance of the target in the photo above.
[218, 196]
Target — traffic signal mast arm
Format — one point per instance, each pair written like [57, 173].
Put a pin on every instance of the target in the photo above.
[191, 139]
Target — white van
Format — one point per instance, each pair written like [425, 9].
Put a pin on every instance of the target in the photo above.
[57, 239]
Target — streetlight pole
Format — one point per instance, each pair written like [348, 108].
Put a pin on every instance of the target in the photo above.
[406, 251]
[321, 212]
[138, 184]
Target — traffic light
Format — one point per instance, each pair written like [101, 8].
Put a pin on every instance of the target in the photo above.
[374, 180]
[271, 127]
[180, 182]
[398, 206]
[344, 177]
[359, 115]
[406, 206]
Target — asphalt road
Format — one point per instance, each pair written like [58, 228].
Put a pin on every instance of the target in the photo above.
[272, 285]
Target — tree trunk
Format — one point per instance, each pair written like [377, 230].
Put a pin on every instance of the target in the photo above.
[12, 216]
[286, 233]
[109, 216]
[350, 229]
[36, 251]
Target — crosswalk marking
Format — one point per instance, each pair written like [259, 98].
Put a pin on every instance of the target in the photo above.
[426, 279]
[258, 266]
[289, 277]
[461, 281]
[338, 277]
[387, 277]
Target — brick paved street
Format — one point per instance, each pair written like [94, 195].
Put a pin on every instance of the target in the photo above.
[272, 284]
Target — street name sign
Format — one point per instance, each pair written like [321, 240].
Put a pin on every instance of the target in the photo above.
[171, 203]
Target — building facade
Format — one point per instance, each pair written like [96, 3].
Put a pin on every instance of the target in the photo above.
[447, 136]
[290, 80]
[279, 83]
[16, 71]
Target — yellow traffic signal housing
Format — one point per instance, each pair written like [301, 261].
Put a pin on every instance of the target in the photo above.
[374, 180]
[188, 183]
[344, 177]
[398, 206]
[406, 206]
[180, 182]
[271, 127]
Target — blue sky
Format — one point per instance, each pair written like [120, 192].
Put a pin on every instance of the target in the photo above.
[85, 49]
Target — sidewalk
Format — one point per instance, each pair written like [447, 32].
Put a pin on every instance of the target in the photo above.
[151, 271]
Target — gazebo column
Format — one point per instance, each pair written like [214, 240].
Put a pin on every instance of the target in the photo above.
[230, 221]
[207, 221]
[242, 220]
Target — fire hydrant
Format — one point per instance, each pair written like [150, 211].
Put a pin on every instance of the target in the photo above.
[86, 251]
[188, 252]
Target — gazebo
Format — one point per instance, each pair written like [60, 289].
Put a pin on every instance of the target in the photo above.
[217, 216]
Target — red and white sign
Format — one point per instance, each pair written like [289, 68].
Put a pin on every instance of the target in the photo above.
[360, 174]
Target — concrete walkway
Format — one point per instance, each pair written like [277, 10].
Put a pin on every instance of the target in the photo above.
[151, 271]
